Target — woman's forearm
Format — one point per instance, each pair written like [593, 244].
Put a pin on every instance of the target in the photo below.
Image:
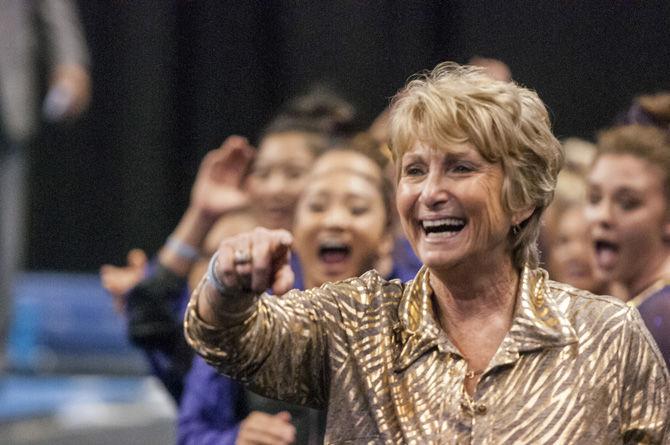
[273, 343]
[219, 309]
[190, 233]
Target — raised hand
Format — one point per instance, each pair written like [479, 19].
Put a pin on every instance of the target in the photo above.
[260, 428]
[218, 184]
[255, 261]
[118, 281]
[248, 263]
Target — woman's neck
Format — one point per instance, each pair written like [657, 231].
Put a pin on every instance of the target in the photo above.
[655, 270]
[467, 295]
[475, 309]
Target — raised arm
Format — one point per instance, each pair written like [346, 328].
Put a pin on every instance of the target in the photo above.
[276, 344]
[217, 191]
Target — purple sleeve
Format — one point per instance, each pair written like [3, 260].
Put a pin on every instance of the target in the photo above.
[209, 410]
[405, 262]
[154, 323]
[655, 312]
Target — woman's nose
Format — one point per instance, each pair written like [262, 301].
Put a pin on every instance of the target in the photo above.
[276, 183]
[599, 213]
[434, 191]
[337, 217]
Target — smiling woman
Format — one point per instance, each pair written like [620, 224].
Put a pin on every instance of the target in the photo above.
[481, 347]
[343, 219]
[449, 203]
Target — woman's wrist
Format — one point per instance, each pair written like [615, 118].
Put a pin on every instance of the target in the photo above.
[224, 302]
[212, 278]
[182, 248]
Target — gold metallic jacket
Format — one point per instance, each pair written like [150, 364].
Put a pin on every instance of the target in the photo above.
[574, 368]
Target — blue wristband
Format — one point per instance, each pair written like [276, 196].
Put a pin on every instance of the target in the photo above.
[185, 251]
[211, 275]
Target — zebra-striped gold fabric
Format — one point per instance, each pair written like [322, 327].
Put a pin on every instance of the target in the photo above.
[574, 368]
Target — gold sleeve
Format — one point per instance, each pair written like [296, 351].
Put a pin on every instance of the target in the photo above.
[279, 347]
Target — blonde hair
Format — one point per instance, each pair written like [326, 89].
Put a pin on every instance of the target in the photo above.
[646, 142]
[571, 181]
[507, 123]
[571, 184]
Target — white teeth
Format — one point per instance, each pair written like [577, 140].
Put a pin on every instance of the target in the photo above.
[441, 234]
[332, 245]
[443, 222]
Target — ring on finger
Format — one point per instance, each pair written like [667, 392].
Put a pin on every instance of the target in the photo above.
[241, 257]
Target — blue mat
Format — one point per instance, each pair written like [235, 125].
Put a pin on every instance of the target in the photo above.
[27, 397]
[66, 323]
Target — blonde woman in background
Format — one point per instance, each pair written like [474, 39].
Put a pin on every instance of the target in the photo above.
[629, 214]
[568, 249]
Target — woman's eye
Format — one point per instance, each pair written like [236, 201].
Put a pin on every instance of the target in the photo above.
[316, 207]
[462, 168]
[627, 203]
[593, 198]
[260, 173]
[413, 170]
[294, 173]
[359, 210]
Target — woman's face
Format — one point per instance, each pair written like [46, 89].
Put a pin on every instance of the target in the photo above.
[571, 255]
[449, 202]
[340, 225]
[628, 216]
[278, 177]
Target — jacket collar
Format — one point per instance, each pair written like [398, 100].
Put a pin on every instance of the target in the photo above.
[539, 322]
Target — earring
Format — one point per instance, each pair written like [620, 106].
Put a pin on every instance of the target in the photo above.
[515, 230]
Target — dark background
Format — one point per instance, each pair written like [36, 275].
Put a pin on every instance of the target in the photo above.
[173, 79]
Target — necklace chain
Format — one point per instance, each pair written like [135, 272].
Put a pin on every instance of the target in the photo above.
[471, 373]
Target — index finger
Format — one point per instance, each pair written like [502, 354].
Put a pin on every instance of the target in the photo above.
[269, 246]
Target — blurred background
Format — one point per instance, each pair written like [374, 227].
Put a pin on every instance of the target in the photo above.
[170, 80]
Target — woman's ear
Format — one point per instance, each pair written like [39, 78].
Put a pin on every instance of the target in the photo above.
[522, 215]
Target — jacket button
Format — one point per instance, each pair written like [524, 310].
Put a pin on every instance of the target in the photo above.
[481, 409]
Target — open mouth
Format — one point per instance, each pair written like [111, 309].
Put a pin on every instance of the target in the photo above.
[443, 227]
[332, 252]
[607, 252]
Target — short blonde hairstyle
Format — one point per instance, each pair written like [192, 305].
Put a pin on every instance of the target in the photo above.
[506, 122]
[642, 141]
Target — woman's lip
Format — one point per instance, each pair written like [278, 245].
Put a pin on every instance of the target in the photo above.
[437, 218]
[438, 237]
[333, 269]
